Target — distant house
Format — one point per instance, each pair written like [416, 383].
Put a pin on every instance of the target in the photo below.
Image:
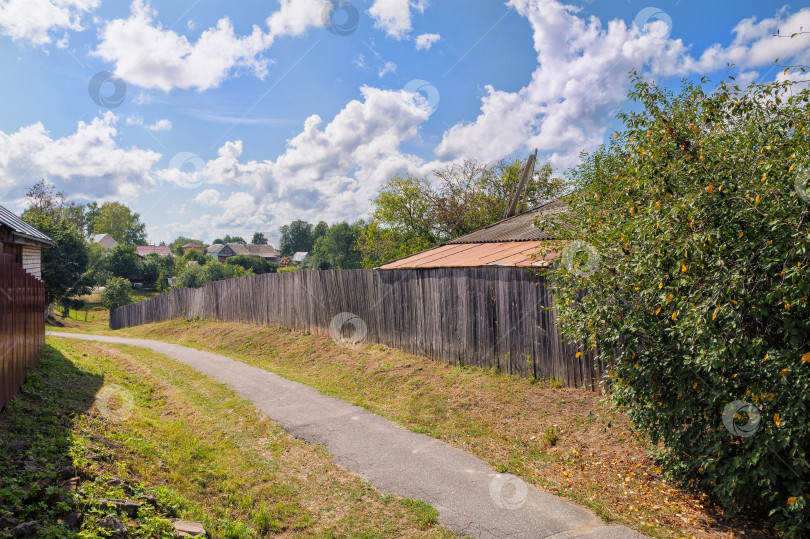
[219, 251]
[105, 240]
[222, 252]
[23, 242]
[162, 250]
[195, 246]
[514, 241]
[299, 257]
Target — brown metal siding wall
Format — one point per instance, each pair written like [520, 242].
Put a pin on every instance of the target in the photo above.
[22, 325]
[471, 316]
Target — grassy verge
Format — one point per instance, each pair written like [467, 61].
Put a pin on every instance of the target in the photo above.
[567, 441]
[132, 424]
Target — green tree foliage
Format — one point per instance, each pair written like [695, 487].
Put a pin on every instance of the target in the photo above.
[412, 214]
[196, 276]
[319, 230]
[693, 231]
[337, 249]
[295, 237]
[65, 263]
[123, 261]
[258, 239]
[117, 293]
[254, 263]
[121, 223]
[91, 211]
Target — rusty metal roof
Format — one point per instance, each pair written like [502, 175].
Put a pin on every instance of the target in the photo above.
[510, 253]
[517, 228]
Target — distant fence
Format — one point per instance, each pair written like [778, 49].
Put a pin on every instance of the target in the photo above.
[22, 325]
[471, 316]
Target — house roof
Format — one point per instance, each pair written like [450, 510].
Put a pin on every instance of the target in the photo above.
[216, 248]
[300, 256]
[162, 250]
[192, 245]
[460, 255]
[517, 228]
[264, 251]
[515, 241]
[21, 228]
[239, 249]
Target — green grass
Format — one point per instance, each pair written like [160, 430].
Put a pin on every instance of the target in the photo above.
[132, 423]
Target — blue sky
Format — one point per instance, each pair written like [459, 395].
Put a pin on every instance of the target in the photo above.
[213, 118]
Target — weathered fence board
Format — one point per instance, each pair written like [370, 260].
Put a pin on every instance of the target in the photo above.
[471, 316]
[22, 325]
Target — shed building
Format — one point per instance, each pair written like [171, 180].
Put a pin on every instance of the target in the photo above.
[23, 242]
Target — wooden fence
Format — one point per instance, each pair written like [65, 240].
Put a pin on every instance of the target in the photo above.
[471, 316]
[22, 325]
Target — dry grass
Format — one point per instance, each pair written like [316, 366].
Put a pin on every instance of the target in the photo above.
[226, 463]
[567, 441]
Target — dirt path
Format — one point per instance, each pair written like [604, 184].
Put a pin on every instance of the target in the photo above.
[471, 498]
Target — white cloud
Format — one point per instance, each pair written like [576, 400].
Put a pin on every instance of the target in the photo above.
[33, 20]
[148, 56]
[394, 16]
[327, 171]
[88, 162]
[581, 76]
[425, 41]
[388, 67]
[295, 17]
[162, 124]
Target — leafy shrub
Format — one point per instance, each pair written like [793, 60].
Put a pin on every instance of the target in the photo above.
[196, 276]
[696, 224]
[117, 294]
[258, 265]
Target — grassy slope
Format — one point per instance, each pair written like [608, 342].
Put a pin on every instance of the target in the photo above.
[510, 422]
[206, 454]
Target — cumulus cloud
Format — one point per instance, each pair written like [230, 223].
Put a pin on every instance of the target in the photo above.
[34, 20]
[327, 171]
[89, 162]
[295, 17]
[394, 16]
[146, 55]
[425, 41]
[581, 76]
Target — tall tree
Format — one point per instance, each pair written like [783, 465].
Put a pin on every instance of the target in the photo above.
[121, 223]
[337, 249]
[319, 230]
[258, 239]
[297, 236]
[64, 265]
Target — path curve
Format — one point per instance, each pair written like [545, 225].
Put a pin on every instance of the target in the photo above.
[471, 498]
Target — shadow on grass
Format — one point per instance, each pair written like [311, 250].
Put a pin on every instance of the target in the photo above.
[35, 440]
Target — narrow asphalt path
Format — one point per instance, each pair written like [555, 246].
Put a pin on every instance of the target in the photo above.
[471, 498]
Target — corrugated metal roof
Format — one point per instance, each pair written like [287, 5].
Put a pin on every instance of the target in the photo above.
[517, 228]
[510, 253]
[21, 228]
[300, 256]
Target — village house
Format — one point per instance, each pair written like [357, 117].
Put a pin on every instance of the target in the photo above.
[222, 252]
[105, 240]
[23, 242]
[195, 246]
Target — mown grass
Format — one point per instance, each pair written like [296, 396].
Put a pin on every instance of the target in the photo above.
[568, 441]
[134, 424]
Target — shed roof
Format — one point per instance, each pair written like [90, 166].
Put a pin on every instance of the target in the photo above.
[510, 253]
[21, 228]
[517, 228]
[300, 256]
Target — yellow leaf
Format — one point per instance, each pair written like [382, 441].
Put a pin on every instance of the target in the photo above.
[765, 358]
[669, 298]
[694, 385]
[792, 499]
[658, 310]
[787, 306]
[714, 316]
[806, 357]
[756, 200]
[776, 419]
[660, 286]
[741, 235]
[683, 268]
[783, 372]
[578, 354]
[770, 396]
[674, 315]
[617, 135]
